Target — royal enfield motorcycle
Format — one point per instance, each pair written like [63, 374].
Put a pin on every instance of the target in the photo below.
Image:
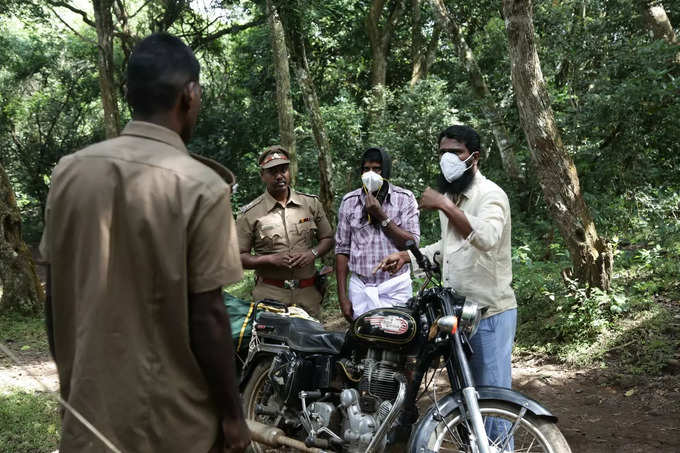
[359, 391]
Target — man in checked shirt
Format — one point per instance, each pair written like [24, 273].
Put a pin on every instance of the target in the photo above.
[374, 221]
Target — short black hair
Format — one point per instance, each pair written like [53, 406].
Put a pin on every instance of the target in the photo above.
[371, 155]
[375, 154]
[464, 134]
[158, 69]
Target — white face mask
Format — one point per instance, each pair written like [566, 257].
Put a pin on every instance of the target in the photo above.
[452, 167]
[372, 181]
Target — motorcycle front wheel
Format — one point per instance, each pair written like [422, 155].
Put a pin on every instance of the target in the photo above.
[526, 434]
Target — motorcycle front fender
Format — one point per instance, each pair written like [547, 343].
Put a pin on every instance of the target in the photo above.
[452, 401]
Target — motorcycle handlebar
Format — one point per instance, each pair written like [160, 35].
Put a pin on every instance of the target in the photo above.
[422, 260]
[413, 248]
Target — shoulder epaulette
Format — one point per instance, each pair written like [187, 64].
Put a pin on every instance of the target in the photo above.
[251, 205]
[401, 190]
[354, 193]
[307, 194]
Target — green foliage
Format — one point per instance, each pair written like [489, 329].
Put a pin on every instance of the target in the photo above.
[243, 289]
[613, 90]
[49, 94]
[637, 319]
[29, 422]
[23, 333]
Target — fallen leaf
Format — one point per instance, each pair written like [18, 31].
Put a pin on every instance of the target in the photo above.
[630, 392]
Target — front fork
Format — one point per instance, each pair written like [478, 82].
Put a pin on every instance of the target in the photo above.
[464, 379]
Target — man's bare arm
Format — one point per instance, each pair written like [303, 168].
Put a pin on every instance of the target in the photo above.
[341, 272]
[211, 343]
[398, 235]
[325, 245]
[249, 261]
[432, 199]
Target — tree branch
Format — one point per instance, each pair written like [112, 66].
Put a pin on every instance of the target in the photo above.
[91, 41]
[395, 14]
[61, 4]
[201, 41]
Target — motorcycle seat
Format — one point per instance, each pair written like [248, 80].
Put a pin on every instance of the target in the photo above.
[299, 334]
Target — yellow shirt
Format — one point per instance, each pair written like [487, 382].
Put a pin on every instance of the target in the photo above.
[132, 226]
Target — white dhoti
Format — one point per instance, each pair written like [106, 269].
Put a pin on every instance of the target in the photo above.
[395, 291]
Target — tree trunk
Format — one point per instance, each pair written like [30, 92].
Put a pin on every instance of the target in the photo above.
[284, 102]
[104, 25]
[657, 20]
[481, 91]
[659, 25]
[422, 51]
[20, 288]
[320, 137]
[380, 36]
[290, 13]
[590, 255]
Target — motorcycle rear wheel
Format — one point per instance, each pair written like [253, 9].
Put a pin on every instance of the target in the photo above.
[532, 435]
[252, 394]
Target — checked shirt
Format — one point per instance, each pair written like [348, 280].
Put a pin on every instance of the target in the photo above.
[366, 244]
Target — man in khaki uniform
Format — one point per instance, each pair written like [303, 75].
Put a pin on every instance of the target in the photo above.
[281, 227]
[139, 238]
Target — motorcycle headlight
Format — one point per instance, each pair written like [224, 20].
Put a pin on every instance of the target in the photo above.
[470, 317]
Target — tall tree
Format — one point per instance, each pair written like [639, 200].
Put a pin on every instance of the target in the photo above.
[380, 24]
[480, 90]
[423, 50]
[284, 101]
[291, 13]
[591, 257]
[656, 19]
[103, 20]
[21, 288]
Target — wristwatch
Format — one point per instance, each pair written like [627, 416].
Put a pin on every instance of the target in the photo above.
[385, 222]
[315, 253]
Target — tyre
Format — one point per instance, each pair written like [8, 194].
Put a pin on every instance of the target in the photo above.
[532, 434]
[252, 396]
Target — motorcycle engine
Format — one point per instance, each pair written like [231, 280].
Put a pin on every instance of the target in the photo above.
[368, 406]
[377, 382]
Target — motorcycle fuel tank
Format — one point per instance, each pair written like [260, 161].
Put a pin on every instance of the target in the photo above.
[385, 326]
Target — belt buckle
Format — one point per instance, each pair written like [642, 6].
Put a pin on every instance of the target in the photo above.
[291, 284]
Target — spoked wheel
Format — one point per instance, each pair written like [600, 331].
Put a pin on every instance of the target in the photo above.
[254, 394]
[514, 432]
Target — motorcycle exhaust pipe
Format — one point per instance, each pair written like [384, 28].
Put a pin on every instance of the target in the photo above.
[274, 437]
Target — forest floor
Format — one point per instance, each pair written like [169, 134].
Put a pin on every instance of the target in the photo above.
[599, 410]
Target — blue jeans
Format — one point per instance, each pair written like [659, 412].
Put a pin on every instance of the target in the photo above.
[491, 362]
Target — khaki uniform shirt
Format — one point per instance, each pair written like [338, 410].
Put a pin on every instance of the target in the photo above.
[132, 226]
[479, 266]
[266, 226]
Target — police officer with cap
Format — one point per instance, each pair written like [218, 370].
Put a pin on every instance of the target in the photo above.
[280, 234]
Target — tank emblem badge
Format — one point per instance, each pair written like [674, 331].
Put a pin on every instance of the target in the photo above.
[389, 324]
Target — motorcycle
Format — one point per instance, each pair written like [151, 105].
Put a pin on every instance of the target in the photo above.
[357, 391]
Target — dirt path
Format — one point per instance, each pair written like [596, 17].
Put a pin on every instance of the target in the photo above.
[598, 410]
[15, 377]
[602, 411]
